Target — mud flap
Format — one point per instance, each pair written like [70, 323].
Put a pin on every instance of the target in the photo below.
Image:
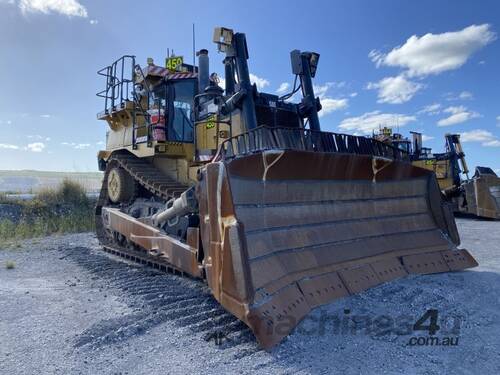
[289, 231]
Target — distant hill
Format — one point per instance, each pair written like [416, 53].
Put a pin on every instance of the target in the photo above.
[26, 181]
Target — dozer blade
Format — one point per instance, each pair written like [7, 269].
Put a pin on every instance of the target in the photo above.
[482, 194]
[287, 231]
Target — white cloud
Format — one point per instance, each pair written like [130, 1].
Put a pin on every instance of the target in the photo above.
[426, 138]
[36, 147]
[82, 146]
[371, 121]
[93, 22]
[77, 146]
[376, 56]
[37, 136]
[46, 116]
[465, 95]
[260, 82]
[436, 53]
[8, 146]
[353, 94]
[330, 105]
[480, 135]
[395, 90]
[70, 8]
[431, 109]
[492, 143]
[321, 90]
[458, 115]
[283, 88]
[477, 135]
[7, 122]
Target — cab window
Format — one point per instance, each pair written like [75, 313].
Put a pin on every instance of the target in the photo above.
[180, 123]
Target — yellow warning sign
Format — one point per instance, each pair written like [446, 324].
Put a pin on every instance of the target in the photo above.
[174, 63]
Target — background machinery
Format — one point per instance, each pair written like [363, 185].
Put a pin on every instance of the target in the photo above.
[244, 190]
[479, 195]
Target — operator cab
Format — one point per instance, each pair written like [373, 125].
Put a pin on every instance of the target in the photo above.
[150, 109]
[386, 135]
[171, 109]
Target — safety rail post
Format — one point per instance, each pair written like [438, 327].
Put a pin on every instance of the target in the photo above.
[121, 85]
[134, 97]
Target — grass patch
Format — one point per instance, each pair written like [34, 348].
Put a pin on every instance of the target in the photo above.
[69, 193]
[66, 209]
[3, 198]
[10, 265]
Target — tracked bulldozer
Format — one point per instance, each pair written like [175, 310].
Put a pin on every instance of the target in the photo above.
[478, 195]
[244, 190]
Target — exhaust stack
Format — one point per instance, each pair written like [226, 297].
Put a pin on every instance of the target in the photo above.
[203, 70]
[417, 143]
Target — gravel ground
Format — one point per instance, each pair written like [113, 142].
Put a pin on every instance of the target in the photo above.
[68, 308]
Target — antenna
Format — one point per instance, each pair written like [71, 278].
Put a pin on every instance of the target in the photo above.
[194, 48]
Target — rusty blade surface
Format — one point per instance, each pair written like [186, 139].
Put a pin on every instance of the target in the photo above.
[286, 231]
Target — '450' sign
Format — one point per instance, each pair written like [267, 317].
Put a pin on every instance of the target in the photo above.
[174, 63]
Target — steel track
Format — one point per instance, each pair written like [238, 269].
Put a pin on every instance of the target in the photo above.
[146, 175]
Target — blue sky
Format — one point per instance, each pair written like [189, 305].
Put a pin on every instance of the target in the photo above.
[430, 66]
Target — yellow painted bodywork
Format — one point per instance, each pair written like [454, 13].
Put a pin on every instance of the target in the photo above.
[211, 133]
[174, 159]
[441, 168]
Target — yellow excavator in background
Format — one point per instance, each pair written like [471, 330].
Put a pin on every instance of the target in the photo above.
[243, 190]
[479, 195]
